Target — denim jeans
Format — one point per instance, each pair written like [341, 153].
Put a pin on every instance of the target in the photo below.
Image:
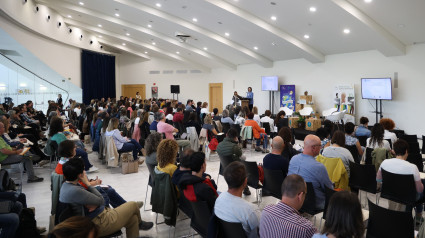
[132, 145]
[111, 196]
[9, 223]
[85, 158]
[265, 139]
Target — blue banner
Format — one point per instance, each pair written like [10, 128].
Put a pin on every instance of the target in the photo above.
[287, 96]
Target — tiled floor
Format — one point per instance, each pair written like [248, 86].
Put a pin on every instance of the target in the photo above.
[132, 187]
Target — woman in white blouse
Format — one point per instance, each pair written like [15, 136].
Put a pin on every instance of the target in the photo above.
[123, 144]
[376, 139]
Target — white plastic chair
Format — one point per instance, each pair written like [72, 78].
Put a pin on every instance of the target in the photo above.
[306, 111]
[287, 111]
[329, 111]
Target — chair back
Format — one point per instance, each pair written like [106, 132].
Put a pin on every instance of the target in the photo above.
[388, 223]
[354, 152]
[151, 169]
[399, 188]
[362, 140]
[391, 144]
[218, 127]
[201, 217]
[179, 127]
[226, 127]
[237, 127]
[273, 180]
[368, 156]
[224, 161]
[266, 126]
[363, 177]
[409, 138]
[328, 194]
[253, 175]
[423, 144]
[230, 229]
[309, 205]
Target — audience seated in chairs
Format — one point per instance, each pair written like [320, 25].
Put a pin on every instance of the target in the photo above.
[312, 171]
[8, 156]
[166, 156]
[344, 217]
[76, 227]
[178, 116]
[230, 206]
[67, 151]
[283, 218]
[151, 146]
[194, 185]
[362, 129]
[153, 125]
[275, 160]
[123, 144]
[267, 119]
[280, 121]
[90, 203]
[241, 117]
[350, 139]
[258, 133]
[289, 151]
[399, 165]
[211, 131]
[388, 125]
[226, 117]
[376, 139]
[168, 130]
[323, 135]
[337, 150]
[216, 116]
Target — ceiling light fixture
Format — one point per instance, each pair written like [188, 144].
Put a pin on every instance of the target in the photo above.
[149, 25]
[99, 25]
[313, 9]
[81, 3]
[117, 15]
[128, 34]
[274, 18]
[346, 31]
[306, 36]
[255, 48]
[153, 43]
[146, 52]
[100, 36]
[177, 52]
[158, 4]
[205, 48]
[123, 43]
[195, 20]
[367, 1]
[227, 33]
[69, 16]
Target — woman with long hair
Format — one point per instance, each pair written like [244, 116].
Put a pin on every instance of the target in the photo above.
[376, 139]
[286, 135]
[166, 155]
[151, 146]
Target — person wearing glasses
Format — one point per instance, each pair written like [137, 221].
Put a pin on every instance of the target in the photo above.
[312, 171]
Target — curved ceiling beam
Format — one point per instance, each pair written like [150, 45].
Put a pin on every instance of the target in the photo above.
[259, 59]
[313, 55]
[393, 48]
[128, 25]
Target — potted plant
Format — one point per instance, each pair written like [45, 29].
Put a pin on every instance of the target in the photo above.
[301, 122]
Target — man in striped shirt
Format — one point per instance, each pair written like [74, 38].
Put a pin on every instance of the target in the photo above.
[283, 218]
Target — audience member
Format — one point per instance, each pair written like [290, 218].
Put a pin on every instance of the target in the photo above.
[362, 129]
[350, 139]
[166, 156]
[388, 125]
[399, 165]
[183, 167]
[256, 116]
[275, 160]
[189, 105]
[151, 146]
[216, 117]
[168, 130]
[280, 120]
[178, 116]
[204, 109]
[258, 133]
[289, 151]
[240, 119]
[195, 187]
[154, 124]
[283, 218]
[193, 122]
[337, 150]
[229, 147]
[376, 139]
[209, 126]
[230, 206]
[267, 119]
[108, 220]
[344, 217]
[312, 171]
[226, 118]
[323, 135]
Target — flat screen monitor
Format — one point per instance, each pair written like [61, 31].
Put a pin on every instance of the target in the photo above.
[269, 83]
[376, 88]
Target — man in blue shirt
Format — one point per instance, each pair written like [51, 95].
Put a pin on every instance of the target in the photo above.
[189, 105]
[362, 128]
[275, 160]
[312, 171]
[153, 126]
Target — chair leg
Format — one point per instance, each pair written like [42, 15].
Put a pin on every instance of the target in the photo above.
[146, 197]
[21, 174]
[218, 176]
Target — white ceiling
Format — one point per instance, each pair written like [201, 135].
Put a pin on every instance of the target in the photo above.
[384, 25]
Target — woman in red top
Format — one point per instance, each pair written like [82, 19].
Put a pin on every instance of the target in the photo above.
[258, 132]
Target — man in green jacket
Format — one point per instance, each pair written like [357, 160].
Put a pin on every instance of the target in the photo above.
[229, 148]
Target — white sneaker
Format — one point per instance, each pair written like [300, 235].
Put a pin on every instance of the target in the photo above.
[93, 169]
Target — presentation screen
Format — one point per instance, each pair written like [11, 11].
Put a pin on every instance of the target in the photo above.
[376, 88]
[269, 83]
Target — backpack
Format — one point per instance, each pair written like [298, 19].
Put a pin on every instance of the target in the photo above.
[6, 183]
[27, 225]
[48, 149]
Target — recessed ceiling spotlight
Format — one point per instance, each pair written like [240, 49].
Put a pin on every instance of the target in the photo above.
[227, 33]
[117, 15]
[306, 36]
[255, 48]
[153, 43]
[99, 25]
[274, 44]
[123, 43]
[401, 25]
[81, 3]
[146, 52]
[367, 1]
[195, 20]
[205, 48]
[100, 36]
[69, 16]
[346, 31]
[128, 34]
[158, 4]
[313, 9]
[177, 52]
[274, 18]
[149, 25]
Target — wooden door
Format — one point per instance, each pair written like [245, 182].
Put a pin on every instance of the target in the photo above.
[216, 96]
[130, 90]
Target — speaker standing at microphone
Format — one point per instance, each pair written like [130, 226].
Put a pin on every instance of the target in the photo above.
[250, 96]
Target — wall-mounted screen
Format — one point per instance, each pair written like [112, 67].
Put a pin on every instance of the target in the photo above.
[376, 88]
[269, 83]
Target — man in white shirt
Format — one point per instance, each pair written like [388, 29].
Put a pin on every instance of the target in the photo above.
[230, 206]
[399, 165]
[267, 118]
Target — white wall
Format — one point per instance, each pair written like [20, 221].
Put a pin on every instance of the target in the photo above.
[317, 79]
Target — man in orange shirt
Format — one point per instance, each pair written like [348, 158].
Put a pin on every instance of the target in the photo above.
[258, 133]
